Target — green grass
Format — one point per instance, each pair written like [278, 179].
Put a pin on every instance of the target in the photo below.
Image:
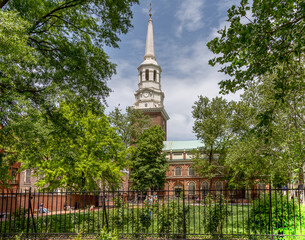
[126, 220]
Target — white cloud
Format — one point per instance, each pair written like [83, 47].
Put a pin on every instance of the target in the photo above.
[123, 86]
[138, 44]
[186, 76]
[224, 5]
[190, 15]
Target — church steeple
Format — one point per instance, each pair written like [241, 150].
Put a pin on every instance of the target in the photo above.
[150, 50]
[149, 96]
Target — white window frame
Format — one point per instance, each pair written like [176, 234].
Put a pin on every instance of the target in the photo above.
[176, 172]
[191, 191]
[193, 171]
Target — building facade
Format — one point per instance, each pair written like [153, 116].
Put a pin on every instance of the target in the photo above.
[182, 175]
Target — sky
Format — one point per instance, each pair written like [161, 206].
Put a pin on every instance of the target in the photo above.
[182, 29]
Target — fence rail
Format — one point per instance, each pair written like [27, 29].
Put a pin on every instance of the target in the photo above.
[188, 214]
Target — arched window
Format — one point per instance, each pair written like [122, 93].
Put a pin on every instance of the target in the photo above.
[178, 171]
[145, 104]
[218, 187]
[146, 74]
[205, 188]
[261, 186]
[192, 188]
[27, 176]
[141, 76]
[178, 189]
[155, 75]
[14, 175]
[191, 171]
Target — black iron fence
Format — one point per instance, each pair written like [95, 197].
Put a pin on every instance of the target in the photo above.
[187, 214]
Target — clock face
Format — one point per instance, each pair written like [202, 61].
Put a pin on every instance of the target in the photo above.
[145, 94]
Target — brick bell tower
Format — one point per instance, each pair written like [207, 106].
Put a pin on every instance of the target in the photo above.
[149, 96]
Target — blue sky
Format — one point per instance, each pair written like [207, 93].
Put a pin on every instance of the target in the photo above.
[181, 30]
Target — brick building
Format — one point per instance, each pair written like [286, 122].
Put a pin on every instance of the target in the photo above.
[15, 182]
[181, 174]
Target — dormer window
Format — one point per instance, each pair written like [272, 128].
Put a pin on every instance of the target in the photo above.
[146, 74]
[155, 75]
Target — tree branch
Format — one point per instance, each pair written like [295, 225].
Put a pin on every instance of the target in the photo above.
[69, 4]
[3, 3]
[70, 23]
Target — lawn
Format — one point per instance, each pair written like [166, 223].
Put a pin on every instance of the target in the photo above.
[163, 218]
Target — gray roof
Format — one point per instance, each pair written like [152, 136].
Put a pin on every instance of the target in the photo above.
[181, 145]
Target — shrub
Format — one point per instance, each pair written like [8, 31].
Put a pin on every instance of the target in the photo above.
[104, 235]
[216, 214]
[19, 217]
[285, 214]
[171, 219]
[144, 220]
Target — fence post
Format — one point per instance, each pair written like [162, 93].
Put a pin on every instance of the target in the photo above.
[184, 223]
[103, 206]
[270, 212]
[28, 221]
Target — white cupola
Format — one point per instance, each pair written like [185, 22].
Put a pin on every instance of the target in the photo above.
[149, 93]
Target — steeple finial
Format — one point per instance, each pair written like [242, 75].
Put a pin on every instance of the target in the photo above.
[150, 9]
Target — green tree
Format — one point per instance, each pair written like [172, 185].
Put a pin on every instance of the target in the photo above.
[148, 163]
[129, 125]
[68, 37]
[212, 127]
[263, 38]
[262, 52]
[87, 152]
[14, 53]
[51, 50]
[271, 145]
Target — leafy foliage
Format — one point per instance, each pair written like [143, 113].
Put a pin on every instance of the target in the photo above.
[104, 235]
[148, 163]
[216, 214]
[265, 38]
[129, 125]
[171, 218]
[87, 151]
[15, 53]
[143, 221]
[262, 52]
[272, 143]
[284, 212]
[68, 37]
[212, 127]
[51, 51]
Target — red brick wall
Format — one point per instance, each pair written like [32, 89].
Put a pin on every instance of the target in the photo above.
[158, 119]
[9, 202]
[185, 179]
[14, 186]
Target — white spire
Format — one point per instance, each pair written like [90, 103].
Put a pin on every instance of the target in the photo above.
[150, 50]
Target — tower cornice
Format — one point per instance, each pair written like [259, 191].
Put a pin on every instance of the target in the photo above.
[162, 110]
